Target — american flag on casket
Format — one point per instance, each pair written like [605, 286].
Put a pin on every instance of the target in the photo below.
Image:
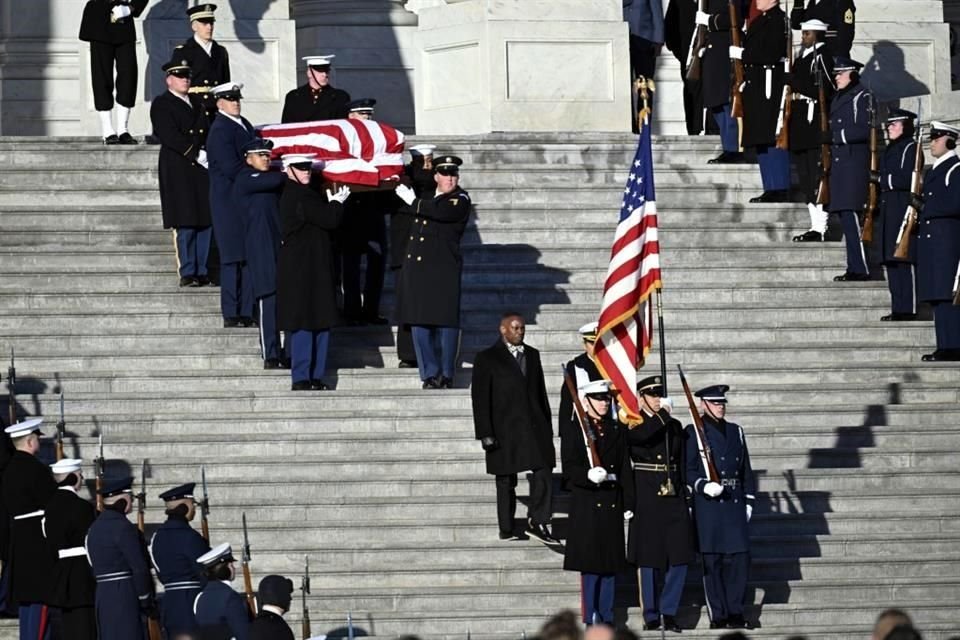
[353, 151]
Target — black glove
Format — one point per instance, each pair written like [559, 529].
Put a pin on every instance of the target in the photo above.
[489, 443]
[916, 202]
[875, 177]
[826, 137]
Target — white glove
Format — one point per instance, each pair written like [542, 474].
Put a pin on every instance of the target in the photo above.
[712, 489]
[749, 512]
[628, 515]
[342, 194]
[202, 159]
[702, 18]
[405, 193]
[667, 403]
[120, 11]
[736, 53]
[597, 475]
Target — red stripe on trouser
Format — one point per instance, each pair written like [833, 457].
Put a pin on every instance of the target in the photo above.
[43, 622]
[583, 599]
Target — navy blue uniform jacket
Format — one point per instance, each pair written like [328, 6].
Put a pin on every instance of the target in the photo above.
[222, 612]
[174, 550]
[896, 174]
[224, 151]
[938, 247]
[850, 149]
[259, 196]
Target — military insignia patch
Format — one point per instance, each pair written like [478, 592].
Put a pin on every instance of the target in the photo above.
[454, 201]
[848, 16]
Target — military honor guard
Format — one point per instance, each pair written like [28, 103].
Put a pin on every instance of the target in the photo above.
[661, 536]
[812, 71]
[274, 594]
[124, 585]
[850, 170]
[225, 144]
[511, 419]
[679, 26]
[428, 294]
[722, 510]
[717, 74]
[306, 287]
[66, 522]
[174, 549]
[207, 57]
[895, 180]
[27, 487]
[838, 15]
[221, 612]
[258, 191]
[938, 245]
[318, 99]
[602, 498]
[180, 124]
[108, 26]
[581, 370]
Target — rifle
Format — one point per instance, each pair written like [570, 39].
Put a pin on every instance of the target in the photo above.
[304, 592]
[153, 622]
[12, 391]
[909, 224]
[736, 98]
[706, 454]
[826, 160]
[588, 433]
[786, 99]
[100, 468]
[204, 504]
[697, 44]
[873, 189]
[245, 560]
[956, 287]
[61, 429]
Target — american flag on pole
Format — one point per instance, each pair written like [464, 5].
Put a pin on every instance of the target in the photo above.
[626, 317]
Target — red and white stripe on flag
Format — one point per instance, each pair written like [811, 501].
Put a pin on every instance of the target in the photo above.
[626, 316]
[353, 151]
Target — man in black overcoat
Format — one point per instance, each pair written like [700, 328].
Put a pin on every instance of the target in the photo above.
[679, 27]
[66, 521]
[179, 123]
[27, 487]
[511, 419]
[108, 26]
[274, 594]
[207, 58]
[318, 99]
[717, 73]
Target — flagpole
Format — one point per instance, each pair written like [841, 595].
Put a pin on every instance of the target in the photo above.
[663, 346]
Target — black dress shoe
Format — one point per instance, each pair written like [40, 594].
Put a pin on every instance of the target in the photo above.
[651, 625]
[202, 281]
[728, 157]
[509, 536]
[943, 355]
[111, 139]
[284, 362]
[303, 385]
[738, 622]
[718, 624]
[187, 281]
[445, 383]
[779, 195]
[899, 317]
[319, 385]
[670, 624]
[431, 383]
[272, 363]
[249, 322]
[541, 532]
[852, 277]
[126, 138]
[809, 236]
[375, 320]
[760, 198]
[230, 323]
[407, 364]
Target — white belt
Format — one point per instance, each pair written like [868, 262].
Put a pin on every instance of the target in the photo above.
[72, 552]
[32, 514]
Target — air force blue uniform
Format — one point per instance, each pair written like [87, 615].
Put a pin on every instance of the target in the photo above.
[896, 174]
[174, 550]
[221, 610]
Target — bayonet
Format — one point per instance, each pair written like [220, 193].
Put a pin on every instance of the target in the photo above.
[61, 430]
[349, 626]
[12, 389]
[304, 592]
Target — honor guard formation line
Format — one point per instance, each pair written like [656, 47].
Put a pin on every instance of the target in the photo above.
[671, 524]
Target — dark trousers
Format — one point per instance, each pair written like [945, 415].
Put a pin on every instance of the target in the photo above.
[946, 322]
[729, 129]
[269, 334]
[33, 622]
[405, 349]
[596, 598]
[308, 355]
[660, 591]
[693, 109]
[236, 290]
[193, 248]
[725, 583]
[643, 57]
[774, 168]
[79, 623]
[540, 507]
[373, 246]
[103, 58]
[901, 280]
[856, 257]
[807, 163]
[436, 349]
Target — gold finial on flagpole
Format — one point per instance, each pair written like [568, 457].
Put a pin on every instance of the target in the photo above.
[644, 86]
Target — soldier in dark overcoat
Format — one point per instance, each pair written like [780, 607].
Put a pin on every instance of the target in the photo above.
[221, 612]
[27, 487]
[306, 287]
[763, 54]
[179, 123]
[661, 535]
[850, 164]
[428, 296]
[207, 58]
[174, 549]
[275, 594]
[811, 70]
[258, 192]
[838, 15]
[108, 26]
[124, 585]
[580, 370]
[894, 180]
[318, 99]
[228, 135]
[722, 510]
[679, 29]
[511, 419]
[602, 497]
[717, 74]
[938, 244]
[66, 521]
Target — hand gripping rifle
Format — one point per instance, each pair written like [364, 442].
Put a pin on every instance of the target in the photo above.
[786, 98]
[698, 43]
[706, 454]
[909, 224]
[245, 560]
[153, 621]
[61, 430]
[204, 505]
[100, 468]
[873, 189]
[736, 97]
[12, 391]
[826, 160]
[588, 433]
[304, 592]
